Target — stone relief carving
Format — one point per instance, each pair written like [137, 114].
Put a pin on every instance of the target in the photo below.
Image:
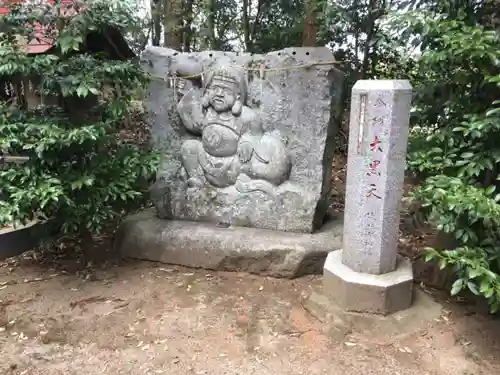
[231, 147]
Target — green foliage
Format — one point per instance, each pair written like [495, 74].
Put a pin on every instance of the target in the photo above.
[79, 175]
[454, 140]
[280, 25]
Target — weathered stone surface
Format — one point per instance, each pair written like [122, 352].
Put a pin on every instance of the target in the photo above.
[205, 245]
[362, 292]
[247, 140]
[378, 134]
[341, 322]
[368, 276]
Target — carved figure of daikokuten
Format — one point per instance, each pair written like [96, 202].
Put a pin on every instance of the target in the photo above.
[233, 149]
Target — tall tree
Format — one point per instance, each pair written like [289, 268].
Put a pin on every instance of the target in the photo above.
[188, 30]
[211, 17]
[310, 24]
[156, 16]
[173, 24]
[246, 24]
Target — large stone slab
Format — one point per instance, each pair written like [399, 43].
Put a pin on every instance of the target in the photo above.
[247, 140]
[205, 245]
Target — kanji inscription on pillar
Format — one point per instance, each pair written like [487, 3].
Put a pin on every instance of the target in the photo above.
[375, 172]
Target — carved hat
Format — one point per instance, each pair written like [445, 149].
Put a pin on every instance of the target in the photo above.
[230, 73]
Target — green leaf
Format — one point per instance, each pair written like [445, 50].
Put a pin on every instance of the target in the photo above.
[442, 264]
[474, 272]
[494, 307]
[473, 288]
[488, 293]
[429, 256]
[457, 287]
[492, 112]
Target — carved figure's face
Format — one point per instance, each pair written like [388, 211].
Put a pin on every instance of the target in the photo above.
[222, 94]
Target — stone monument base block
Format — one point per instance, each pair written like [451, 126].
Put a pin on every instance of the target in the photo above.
[366, 293]
[424, 311]
[205, 245]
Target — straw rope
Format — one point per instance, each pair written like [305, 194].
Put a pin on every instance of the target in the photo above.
[263, 69]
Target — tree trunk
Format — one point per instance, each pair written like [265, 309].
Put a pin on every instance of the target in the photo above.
[246, 25]
[211, 24]
[172, 30]
[373, 15]
[188, 31]
[156, 21]
[310, 24]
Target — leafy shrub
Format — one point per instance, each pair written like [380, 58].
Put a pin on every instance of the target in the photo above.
[457, 149]
[79, 174]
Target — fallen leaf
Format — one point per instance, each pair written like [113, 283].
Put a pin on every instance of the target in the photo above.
[33, 280]
[10, 282]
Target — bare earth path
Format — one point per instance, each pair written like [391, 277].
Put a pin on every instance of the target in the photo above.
[143, 318]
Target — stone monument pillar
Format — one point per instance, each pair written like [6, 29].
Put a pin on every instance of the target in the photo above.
[367, 275]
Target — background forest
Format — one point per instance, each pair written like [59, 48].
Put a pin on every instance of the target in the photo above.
[448, 49]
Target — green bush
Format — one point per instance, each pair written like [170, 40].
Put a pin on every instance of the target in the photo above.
[455, 147]
[79, 175]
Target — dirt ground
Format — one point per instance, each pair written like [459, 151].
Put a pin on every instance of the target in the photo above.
[145, 318]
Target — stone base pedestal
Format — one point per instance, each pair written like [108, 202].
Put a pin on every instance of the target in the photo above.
[366, 293]
[424, 311]
[205, 245]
